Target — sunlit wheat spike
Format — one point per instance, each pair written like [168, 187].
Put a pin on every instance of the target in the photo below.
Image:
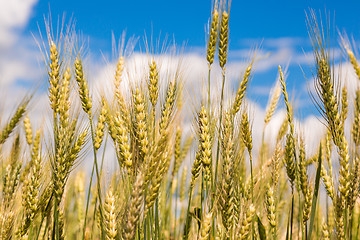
[140, 122]
[100, 127]
[11, 175]
[303, 177]
[325, 231]
[123, 106]
[246, 132]
[275, 164]
[157, 160]
[212, 37]
[354, 184]
[270, 206]
[205, 150]
[344, 104]
[64, 99]
[326, 91]
[223, 38]
[156, 180]
[289, 158]
[227, 191]
[74, 152]
[328, 182]
[245, 228]
[110, 216]
[205, 137]
[123, 140]
[283, 130]
[339, 219]
[159, 166]
[9, 127]
[307, 204]
[83, 87]
[69, 147]
[36, 144]
[28, 130]
[177, 151]
[240, 94]
[110, 122]
[7, 219]
[272, 104]
[118, 72]
[354, 62]
[54, 76]
[355, 130]
[168, 107]
[153, 83]
[31, 195]
[227, 142]
[195, 170]
[324, 85]
[10, 183]
[290, 154]
[134, 211]
[62, 226]
[206, 226]
[286, 100]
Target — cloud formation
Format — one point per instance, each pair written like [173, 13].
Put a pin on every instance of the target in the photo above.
[19, 54]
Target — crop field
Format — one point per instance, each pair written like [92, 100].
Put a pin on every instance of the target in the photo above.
[184, 165]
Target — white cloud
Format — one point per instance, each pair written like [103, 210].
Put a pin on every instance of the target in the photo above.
[19, 54]
[14, 15]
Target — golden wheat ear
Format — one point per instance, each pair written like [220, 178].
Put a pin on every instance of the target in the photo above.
[213, 37]
[131, 220]
[13, 122]
[83, 87]
[223, 39]
[110, 216]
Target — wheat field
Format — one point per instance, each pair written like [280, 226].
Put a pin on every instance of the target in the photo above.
[211, 183]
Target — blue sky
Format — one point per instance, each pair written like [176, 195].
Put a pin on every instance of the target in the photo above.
[186, 19]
